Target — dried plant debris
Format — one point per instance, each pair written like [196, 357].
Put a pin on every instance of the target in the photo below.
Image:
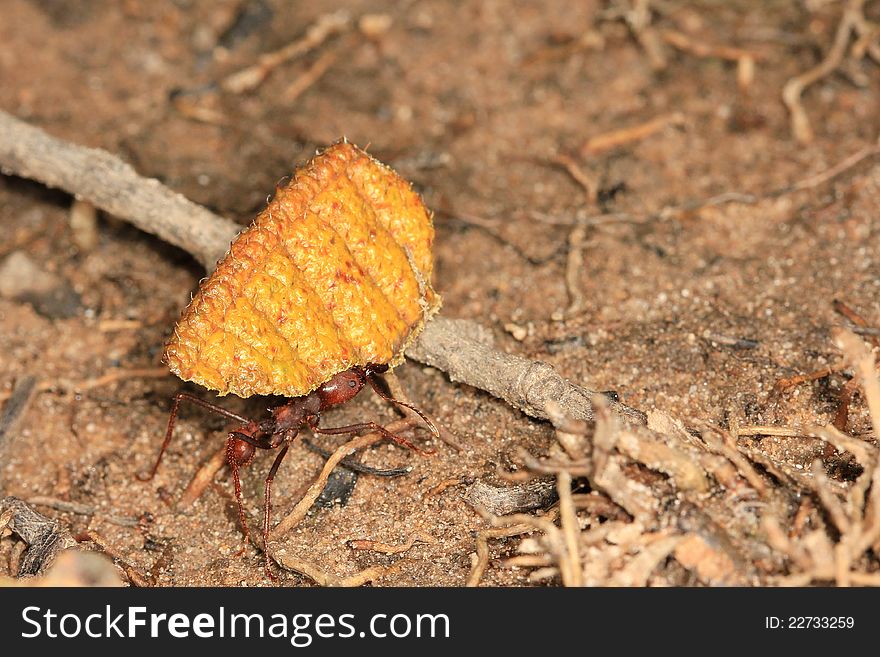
[45, 537]
[696, 499]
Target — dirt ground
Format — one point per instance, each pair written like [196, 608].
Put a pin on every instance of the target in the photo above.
[693, 309]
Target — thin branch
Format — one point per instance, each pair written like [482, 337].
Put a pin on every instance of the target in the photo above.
[114, 186]
[323, 28]
[794, 88]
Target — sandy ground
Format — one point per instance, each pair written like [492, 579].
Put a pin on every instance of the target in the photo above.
[471, 101]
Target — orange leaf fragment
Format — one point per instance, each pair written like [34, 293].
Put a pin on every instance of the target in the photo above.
[334, 273]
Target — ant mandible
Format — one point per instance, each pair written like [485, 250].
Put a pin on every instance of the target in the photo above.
[282, 427]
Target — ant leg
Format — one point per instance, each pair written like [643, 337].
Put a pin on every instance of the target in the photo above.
[268, 506]
[172, 420]
[259, 443]
[374, 381]
[233, 465]
[365, 426]
[234, 459]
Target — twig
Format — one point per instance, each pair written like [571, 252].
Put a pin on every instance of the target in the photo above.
[832, 172]
[386, 548]
[616, 138]
[574, 266]
[639, 21]
[81, 509]
[570, 529]
[454, 346]
[114, 186]
[202, 478]
[767, 430]
[828, 498]
[356, 466]
[581, 177]
[782, 385]
[442, 486]
[794, 88]
[322, 578]
[121, 374]
[110, 325]
[687, 44]
[864, 453]
[862, 326]
[308, 78]
[720, 446]
[745, 59]
[577, 236]
[134, 575]
[654, 549]
[295, 516]
[481, 561]
[252, 77]
[464, 350]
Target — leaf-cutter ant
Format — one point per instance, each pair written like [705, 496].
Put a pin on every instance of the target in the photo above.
[282, 427]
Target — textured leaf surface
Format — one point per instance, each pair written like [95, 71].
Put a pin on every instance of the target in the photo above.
[334, 273]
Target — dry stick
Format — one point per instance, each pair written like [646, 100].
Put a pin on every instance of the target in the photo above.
[252, 77]
[299, 512]
[794, 88]
[869, 522]
[639, 21]
[81, 509]
[309, 77]
[832, 172]
[616, 138]
[387, 548]
[313, 572]
[453, 346]
[112, 185]
[481, 562]
[828, 498]
[109, 377]
[134, 575]
[685, 43]
[570, 528]
[202, 478]
[121, 374]
[575, 262]
[861, 325]
[863, 452]
[782, 385]
[868, 41]
[463, 350]
[745, 59]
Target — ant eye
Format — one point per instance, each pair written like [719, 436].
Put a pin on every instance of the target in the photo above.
[352, 383]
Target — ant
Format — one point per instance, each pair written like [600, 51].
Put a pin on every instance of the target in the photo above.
[282, 427]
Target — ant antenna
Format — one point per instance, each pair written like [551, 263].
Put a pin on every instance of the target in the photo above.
[374, 384]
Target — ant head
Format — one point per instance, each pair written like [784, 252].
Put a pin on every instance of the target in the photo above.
[342, 387]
